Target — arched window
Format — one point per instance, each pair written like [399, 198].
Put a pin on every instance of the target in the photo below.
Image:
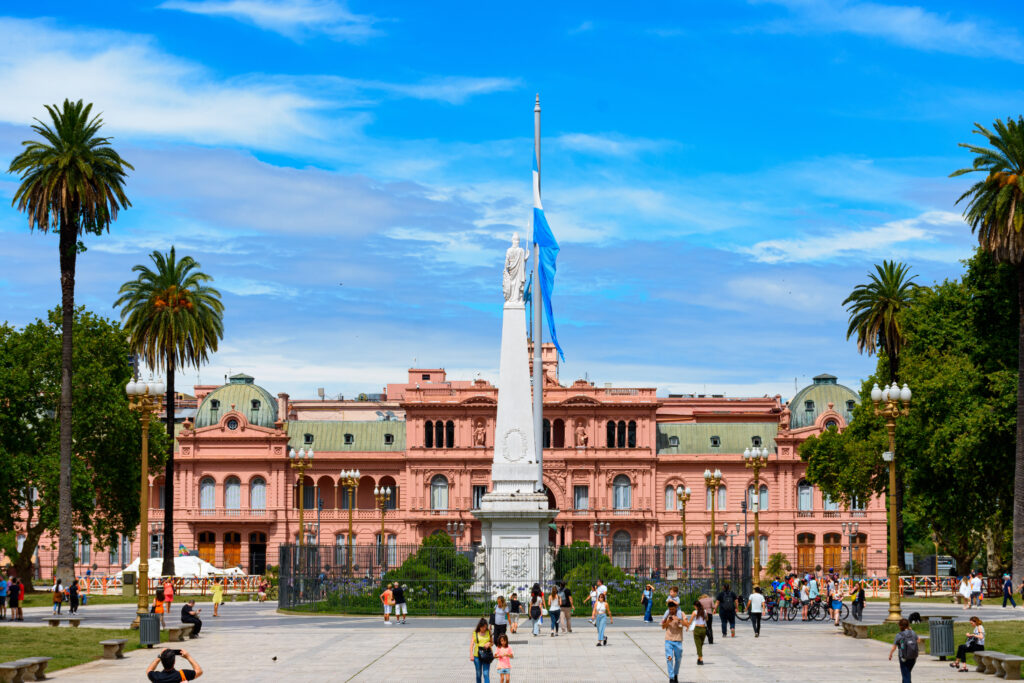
[860, 553]
[670, 498]
[764, 497]
[670, 551]
[610, 434]
[804, 496]
[832, 546]
[258, 494]
[622, 491]
[547, 433]
[350, 439]
[232, 493]
[206, 492]
[753, 503]
[255, 408]
[763, 549]
[621, 543]
[449, 434]
[428, 434]
[721, 498]
[804, 553]
[620, 434]
[831, 424]
[340, 551]
[439, 434]
[631, 435]
[558, 433]
[439, 492]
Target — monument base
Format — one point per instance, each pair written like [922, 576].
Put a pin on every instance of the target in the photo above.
[514, 535]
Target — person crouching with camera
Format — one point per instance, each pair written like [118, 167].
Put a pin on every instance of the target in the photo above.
[169, 673]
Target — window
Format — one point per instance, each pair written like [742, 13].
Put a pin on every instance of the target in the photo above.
[620, 434]
[831, 424]
[753, 503]
[546, 427]
[622, 493]
[214, 405]
[309, 496]
[670, 498]
[428, 434]
[126, 550]
[307, 439]
[439, 434]
[425, 377]
[716, 441]
[763, 549]
[439, 493]
[346, 498]
[721, 498]
[156, 546]
[850, 405]
[631, 435]
[673, 441]
[610, 434]
[112, 557]
[809, 406]
[83, 550]
[558, 434]
[764, 497]
[232, 424]
[830, 505]
[581, 497]
[349, 439]
[258, 494]
[755, 441]
[206, 490]
[478, 493]
[161, 499]
[856, 503]
[232, 493]
[255, 406]
[670, 551]
[449, 434]
[340, 551]
[621, 542]
[389, 439]
[805, 496]
[207, 546]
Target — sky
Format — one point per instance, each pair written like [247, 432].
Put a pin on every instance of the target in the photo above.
[719, 175]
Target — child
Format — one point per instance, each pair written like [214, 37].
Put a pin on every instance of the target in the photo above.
[514, 609]
[387, 600]
[503, 654]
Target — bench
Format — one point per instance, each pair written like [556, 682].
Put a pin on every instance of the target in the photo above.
[114, 648]
[855, 629]
[21, 670]
[983, 663]
[1002, 665]
[176, 634]
[55, 620]
[40, 664]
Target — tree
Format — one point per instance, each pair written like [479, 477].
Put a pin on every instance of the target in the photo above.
[992, 212]
[875, 319]
[71, 181]
[174, 319]
[107, 435]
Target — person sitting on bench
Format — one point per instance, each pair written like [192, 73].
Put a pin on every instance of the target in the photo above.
[190, 615]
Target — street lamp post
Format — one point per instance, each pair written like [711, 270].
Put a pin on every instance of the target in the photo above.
[601, 530]
[756, 459]
[350, 480]
[713, 480]
[382, 495]
[683, 496]
[455, 530]
[144, 397]
[850, 530]
[300, 462]
[887, 404]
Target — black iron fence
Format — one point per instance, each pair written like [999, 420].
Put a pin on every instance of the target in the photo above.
[440, 579]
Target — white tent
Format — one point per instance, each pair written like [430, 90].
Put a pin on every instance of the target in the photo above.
[186, 566]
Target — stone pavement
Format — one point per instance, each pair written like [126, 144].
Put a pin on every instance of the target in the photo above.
[241, 645]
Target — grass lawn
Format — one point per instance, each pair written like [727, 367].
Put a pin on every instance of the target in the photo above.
[68, 646]
[1001, 636]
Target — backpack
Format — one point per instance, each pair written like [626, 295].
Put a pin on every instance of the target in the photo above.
[908, 648]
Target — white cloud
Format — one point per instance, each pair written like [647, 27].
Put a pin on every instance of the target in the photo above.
[881, 239]
[293, 19]
[906, 25]
[453, 89]
[609, 144]
[582, 28]
[243, 286]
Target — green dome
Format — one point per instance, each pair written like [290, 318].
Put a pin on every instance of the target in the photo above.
[813, 400]
[252, 401]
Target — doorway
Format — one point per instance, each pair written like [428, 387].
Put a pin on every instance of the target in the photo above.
[257, 552]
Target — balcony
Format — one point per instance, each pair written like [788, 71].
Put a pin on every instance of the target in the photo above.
[832, 514]
[805, 513]
[228, 515]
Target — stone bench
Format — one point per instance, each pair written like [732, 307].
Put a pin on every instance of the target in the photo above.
[855, 629]
[40, 664]
[21, 670]
[983, 663]
[177, 634]
[922, 643]
[114, 648]
[55, 620]
[998, 663]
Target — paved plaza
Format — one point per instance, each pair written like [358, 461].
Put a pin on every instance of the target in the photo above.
[242, 644]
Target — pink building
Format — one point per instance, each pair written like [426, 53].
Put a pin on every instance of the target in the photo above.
[612, 454]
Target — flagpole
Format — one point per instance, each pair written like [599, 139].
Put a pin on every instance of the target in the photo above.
[538, 323]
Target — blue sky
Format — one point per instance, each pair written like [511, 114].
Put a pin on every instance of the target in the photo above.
[719, 175]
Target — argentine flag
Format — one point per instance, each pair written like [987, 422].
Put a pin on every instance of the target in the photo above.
[548, 248]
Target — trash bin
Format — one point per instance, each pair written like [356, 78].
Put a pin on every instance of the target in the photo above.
[149, 629]
[940, 637]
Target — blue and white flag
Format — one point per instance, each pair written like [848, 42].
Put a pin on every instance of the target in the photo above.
[548, 248]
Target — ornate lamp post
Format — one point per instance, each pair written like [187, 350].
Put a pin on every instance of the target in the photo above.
[144, 397]
[382, 495]
[350, 480]
[601, 530]
[850, 531]
[887, 404]
[683, 496]
[756, 459]
[300, 462]
[713, 480]
[455, 530]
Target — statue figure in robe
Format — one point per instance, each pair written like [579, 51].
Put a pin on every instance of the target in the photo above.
[513, 278]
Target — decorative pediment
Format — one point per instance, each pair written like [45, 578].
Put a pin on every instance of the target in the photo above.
[479, 400]
[581, 400]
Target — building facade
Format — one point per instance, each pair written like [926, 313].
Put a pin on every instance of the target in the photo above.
[611, 454]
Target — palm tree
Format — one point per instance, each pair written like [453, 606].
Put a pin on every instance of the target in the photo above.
[995, 214]
[72, 181]
[875, 309]
[875, 318]
[174, 319]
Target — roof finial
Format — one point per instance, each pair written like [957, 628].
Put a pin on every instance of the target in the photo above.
[536, 106]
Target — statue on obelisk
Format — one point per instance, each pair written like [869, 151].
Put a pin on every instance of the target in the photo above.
[513, 279]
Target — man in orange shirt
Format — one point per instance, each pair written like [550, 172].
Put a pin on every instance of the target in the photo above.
[387, 599]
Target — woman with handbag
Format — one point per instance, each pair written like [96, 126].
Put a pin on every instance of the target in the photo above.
[482, 652]
[499, 619]
[975, 641]
[537, 610]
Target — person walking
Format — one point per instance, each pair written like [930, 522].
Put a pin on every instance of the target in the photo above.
[500, 619]
[73, 597]
[673, 624]
[536, 609]
[168, 593]
[158, 608]
[58, 596]
[975, 641]
[190, 615]
[567, 605]
[12, 597]
[21, 600]
[503, 653]
[709, 610]
[836, 602]
[906, 643]
[218, 596]
[965, 592]
[401, 608]
[515, 608]
[858, 601]
[755, 608]
[602, 616]
[1008, 591]
[481, 652]
[387, 598]
[699, 623]
[725, 603]
[3, 597]
[647, 600]
[554, 610]
[976, 589]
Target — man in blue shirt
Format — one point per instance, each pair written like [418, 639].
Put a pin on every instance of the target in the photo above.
[1008, 591]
